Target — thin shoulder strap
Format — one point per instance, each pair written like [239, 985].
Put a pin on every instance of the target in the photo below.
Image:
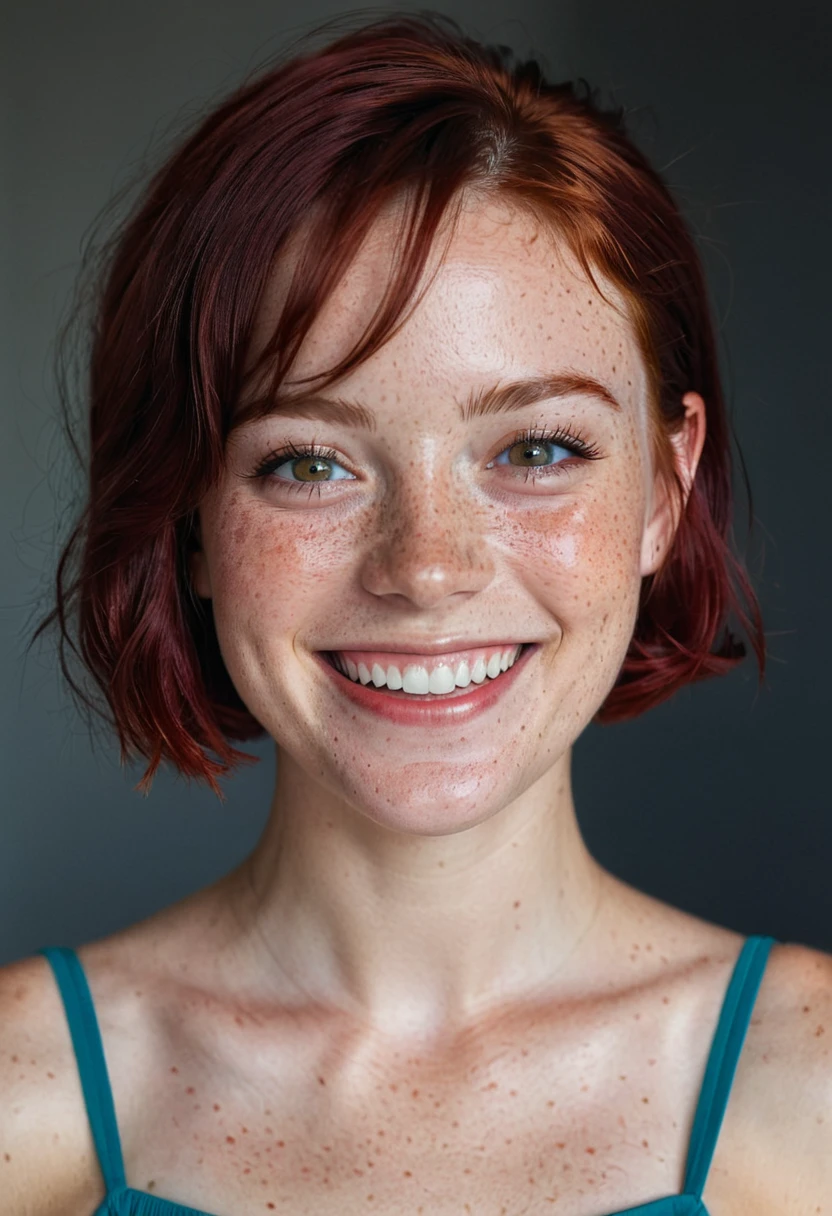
[89, 1053]
[723, 1059]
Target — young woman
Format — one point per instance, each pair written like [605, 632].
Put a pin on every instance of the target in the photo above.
[408, 448]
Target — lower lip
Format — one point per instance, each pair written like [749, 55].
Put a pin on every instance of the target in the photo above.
[427, 710]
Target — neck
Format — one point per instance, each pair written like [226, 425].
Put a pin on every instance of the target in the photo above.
[415, 935]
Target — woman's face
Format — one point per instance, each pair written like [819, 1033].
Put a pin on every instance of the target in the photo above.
[434, 525]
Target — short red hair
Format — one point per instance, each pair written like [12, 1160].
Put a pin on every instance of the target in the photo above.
[405, 106]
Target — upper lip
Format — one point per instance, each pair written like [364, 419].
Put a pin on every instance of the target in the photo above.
[420, 646]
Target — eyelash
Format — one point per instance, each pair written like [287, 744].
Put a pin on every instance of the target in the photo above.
[573, 442]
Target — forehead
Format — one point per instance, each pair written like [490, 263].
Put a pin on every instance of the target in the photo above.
[504, 297]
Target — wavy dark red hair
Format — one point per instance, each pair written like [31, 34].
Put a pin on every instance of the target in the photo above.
[407, 107]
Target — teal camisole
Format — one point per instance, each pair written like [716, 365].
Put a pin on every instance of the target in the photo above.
[124, 1200]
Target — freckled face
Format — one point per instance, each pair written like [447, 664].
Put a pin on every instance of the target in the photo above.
[433, 525]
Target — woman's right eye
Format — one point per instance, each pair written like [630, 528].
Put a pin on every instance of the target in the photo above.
[302, 466]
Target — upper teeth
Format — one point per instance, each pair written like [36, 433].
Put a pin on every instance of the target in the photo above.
[417, 679]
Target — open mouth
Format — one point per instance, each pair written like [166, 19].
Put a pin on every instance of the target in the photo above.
[414, 684]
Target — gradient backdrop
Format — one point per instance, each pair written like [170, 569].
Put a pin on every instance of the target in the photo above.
[717, 802]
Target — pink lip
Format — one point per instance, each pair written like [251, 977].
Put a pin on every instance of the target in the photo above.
[429, 710]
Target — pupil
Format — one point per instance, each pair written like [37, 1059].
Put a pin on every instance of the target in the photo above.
[315, 467]
[535, 452]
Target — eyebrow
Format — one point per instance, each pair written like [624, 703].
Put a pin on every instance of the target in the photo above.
[483, 402]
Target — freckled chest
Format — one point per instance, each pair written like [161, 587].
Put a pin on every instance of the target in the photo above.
[582, 1110]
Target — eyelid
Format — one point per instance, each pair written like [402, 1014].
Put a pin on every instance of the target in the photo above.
[572, 440]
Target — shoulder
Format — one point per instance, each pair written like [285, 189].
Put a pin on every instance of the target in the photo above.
[778, 1127]
[790, 1041]
[47, 1160]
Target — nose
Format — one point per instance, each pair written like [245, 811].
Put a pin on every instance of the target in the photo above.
[430, 545]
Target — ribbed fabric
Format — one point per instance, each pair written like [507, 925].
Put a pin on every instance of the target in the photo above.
[122, 1200]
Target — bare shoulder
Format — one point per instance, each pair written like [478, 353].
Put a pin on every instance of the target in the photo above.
[776, 1145]
[47, 1160]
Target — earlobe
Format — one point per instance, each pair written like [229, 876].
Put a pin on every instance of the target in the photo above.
[658, 534]
[689, 440]
[687, 444]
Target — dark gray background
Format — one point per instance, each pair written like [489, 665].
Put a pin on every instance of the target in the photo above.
[717, 802]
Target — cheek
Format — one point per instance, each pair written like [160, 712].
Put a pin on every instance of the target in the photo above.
[267, 570]
[583, 556]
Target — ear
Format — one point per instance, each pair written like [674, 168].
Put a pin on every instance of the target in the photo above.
[198, 565]
[665, 509]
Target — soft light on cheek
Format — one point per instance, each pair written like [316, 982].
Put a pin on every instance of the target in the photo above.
[591, 550]
[564, 550]
[272, 569]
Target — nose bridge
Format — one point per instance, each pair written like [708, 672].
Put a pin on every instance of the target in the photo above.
[431, 540]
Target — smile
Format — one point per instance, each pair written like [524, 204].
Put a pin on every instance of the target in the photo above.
[423, 675]
[423, 690]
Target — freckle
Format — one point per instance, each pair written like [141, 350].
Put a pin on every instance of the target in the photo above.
[6, 1157]
[665, 1000]
[645, 1099]
[245, 1131]
[51, 1076]
[174, 1069]
[151, 1184]
[590, 1150]
[238, 1019]
[321, 1081]
[14, 1059]
[819, 1031]
[231, 1140]
[189, 1090]
[806, 1009]
[623, 1077]
[281, 1143]
[646, 1145]
[216, 1106]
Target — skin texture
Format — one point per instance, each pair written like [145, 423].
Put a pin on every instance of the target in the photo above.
[420, 994]
[391, 877]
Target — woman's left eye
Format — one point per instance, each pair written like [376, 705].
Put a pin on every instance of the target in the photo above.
[545, 450]
[539, 452]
